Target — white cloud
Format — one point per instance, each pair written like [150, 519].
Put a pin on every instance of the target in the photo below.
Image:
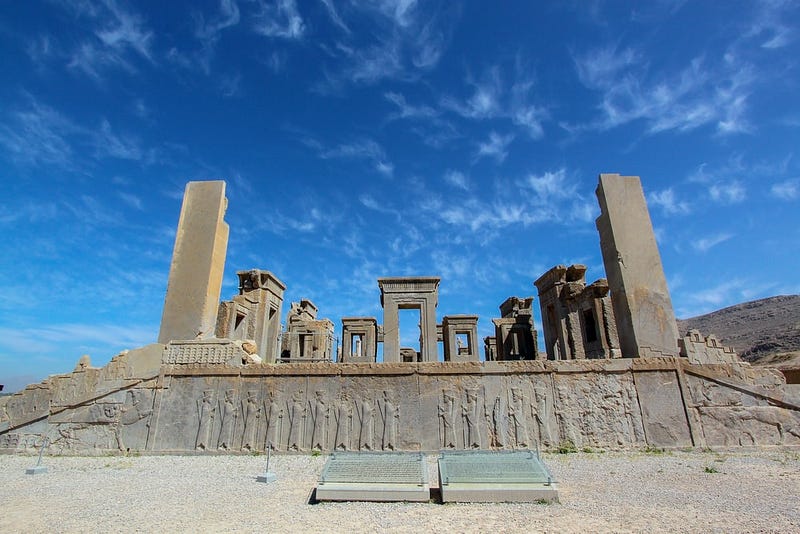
[456, 179]
[700, 94]
[228, 16]
[132, 200]
[550, 186]
[727, 193]
[334, 15]
[365, 149]
[406, 110]
[667, 201]
[704, 244]
[786, 190]
[496, 146]
[280, 19]
[113, 145]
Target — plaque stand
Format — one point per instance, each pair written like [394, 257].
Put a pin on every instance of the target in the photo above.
[268, 476]
[38, 469]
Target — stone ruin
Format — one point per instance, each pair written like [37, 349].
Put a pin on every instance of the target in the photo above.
[225, 376]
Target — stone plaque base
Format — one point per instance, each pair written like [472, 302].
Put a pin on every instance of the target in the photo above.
[484, 476]
[374, 476]
[36, 470]
[267, 477]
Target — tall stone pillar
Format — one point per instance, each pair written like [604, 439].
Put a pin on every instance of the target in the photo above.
[198, 262]
[639, 295]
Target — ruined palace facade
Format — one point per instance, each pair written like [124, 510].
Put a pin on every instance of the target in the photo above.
[226, 377]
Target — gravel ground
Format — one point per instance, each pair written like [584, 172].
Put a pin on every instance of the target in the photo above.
[600, 492]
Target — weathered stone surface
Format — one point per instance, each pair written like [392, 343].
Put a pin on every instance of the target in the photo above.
[515, 335]
[359, 339]
[460, 338]
[198, 261]
[642, 305]
[705, 349]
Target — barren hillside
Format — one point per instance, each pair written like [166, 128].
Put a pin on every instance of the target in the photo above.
[765, 331]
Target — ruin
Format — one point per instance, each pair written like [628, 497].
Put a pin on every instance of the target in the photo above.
[225, 378]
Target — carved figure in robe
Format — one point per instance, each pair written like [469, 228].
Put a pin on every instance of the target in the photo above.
[133, 411]
[273, 414]
[497, 424]
[367, 431]
[229, 414]
[205, 411]
[344, 423]
[319, 412]
[391, 419]
[252, 413]
[470, 411]
[542, 414]
[447, 415]
[634, 414]
[516, 416]
[297, 422]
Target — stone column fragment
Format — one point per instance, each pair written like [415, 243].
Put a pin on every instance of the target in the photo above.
[198, 262]
[642, 305]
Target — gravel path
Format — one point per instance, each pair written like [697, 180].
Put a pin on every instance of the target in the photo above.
[600, 492]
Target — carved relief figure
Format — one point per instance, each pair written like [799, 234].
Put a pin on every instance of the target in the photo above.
[516, 416]
[297, 422]
[320, 414]
[566, 414]
[229, 414]
[273, 413]
[205, 411]
[391, 419]
[447, 428]
[497, 424]
[134, 410]
[344, 423]
[542, 414]
[252, 413]
[367, 431]
[470, 411]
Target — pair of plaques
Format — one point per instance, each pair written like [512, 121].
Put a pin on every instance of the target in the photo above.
[464, 476]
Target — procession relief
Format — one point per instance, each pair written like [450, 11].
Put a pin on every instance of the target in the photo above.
[496, 416]
[297, 421]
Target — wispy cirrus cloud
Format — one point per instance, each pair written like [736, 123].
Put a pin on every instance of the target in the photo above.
[493, 98]
[702, 93]
[279, 19]
[495, 147]
[704, 244]
[361, 149]
[120, 37]
[731, 192]
[786, 190]
[668, 201]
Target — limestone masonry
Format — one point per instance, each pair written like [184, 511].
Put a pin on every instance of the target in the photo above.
[225, 377]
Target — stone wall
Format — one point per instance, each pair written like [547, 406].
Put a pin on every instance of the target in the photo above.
[623, 403]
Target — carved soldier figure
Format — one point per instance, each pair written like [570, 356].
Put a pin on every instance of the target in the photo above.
[542, 414]
[344, 422]
[496, 420]
[205, 411]
[447, 415]
[229, 414]
[320, 414]
[391, 418]
[516, 415]
[367, 425]
[273, 415]
[252, 413]
[297, 421]
[470, 412]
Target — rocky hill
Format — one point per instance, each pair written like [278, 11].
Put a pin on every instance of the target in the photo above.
[765, 331]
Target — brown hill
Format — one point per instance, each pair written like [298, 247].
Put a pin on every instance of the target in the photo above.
[765, 332]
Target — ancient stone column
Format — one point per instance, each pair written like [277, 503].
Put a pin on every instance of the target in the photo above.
[198, 262]
[639, 295]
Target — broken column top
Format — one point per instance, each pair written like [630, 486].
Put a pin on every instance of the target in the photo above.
[259, 279]
[514, 306]
[198, 262]
[642, 305]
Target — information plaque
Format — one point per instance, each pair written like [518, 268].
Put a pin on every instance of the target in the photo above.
[374, 476]
[486, 476]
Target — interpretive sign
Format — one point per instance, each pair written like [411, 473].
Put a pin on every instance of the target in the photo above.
[374, 476]
[485, 476]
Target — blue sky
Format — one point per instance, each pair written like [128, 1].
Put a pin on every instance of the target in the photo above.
[383, 138]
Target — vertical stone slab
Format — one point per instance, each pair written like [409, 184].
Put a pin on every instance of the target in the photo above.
[642, 305]
[198, 261]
